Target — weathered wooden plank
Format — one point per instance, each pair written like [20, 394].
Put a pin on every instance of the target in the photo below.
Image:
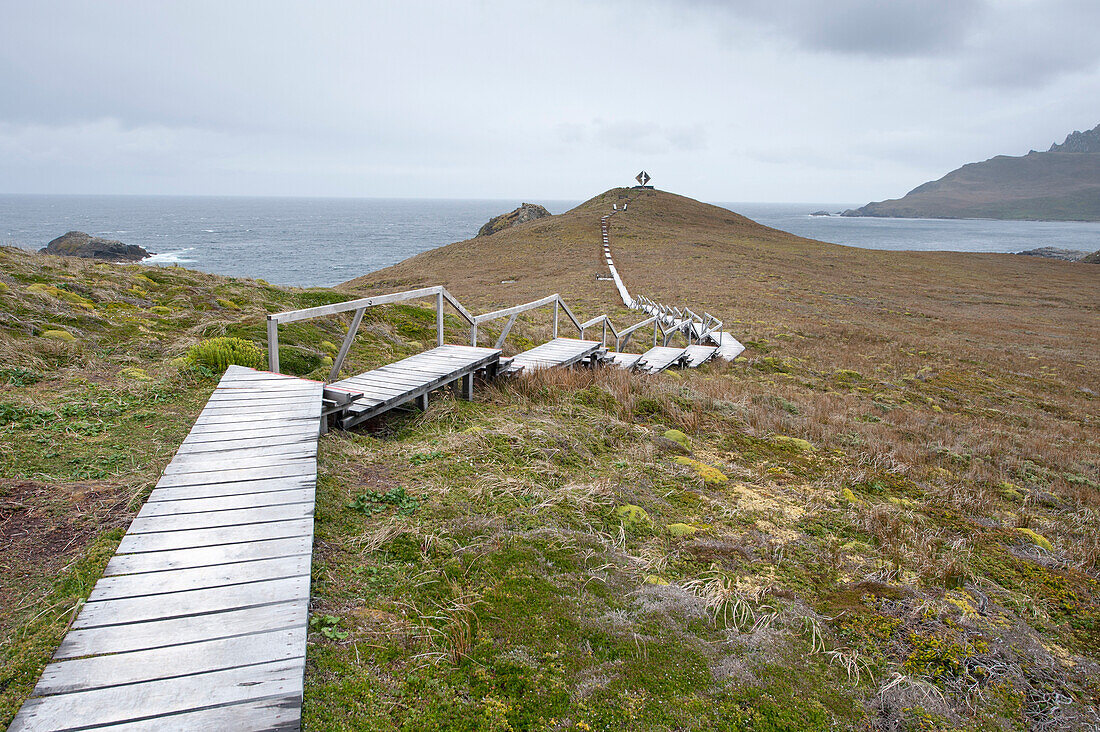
[302, 467]
[240, 487]
[223, 503]
[289, 415]
[205, 462]
[179, 631]
[179, 580]
[191, 602]
[207, 556]
[260, 394]
[81, 674]
[227, 433]
[213, 519]
[166, 540]
[277, 714]
[255, 446]
[156, 698]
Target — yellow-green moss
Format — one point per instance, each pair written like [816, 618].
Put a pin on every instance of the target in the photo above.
[680, 437]
[679, 530]
[1037, 539]
[160, 310]
[850, 497]
[4, 289]
[632, 517]
[58, 335]
[135, 374]
[709, 474]
[1010, 491]
[653, 579]
[796, 442]
[57, 293]
[848, 375]
[228, 304]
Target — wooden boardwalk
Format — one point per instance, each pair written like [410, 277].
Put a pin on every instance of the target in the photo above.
[698, 354]
[413, 378]
[622, 360]
[659, 358]
[556, 353]
[199, 622]
[728, 347]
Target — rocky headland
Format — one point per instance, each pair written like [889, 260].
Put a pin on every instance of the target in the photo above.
[1061, 184]
[79, 244]
[526, 212]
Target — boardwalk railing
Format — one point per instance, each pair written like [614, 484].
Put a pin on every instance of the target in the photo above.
[441, 295]
[622, 337]
[513, 312]
[360, 308]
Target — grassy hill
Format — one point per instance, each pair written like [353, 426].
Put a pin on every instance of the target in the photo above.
[1045, 186]
[884, 517]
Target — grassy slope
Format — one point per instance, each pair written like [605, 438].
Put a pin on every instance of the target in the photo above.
[872, 575]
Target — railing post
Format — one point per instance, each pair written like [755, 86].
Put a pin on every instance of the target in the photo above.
[603, 340]
[555, 318]
[346, 345]
[272, 345]
[439, 318]
[473, 334]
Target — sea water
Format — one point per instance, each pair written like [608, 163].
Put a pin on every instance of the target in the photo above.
[325, 241]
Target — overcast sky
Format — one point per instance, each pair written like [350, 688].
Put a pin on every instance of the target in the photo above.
[844, 101]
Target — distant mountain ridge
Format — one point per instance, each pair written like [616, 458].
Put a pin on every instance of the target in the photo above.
[1062, 184]
[1080, 142]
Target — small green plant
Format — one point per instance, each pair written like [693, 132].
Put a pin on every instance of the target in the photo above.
[19, 377]
[375, 502]
[424, 457]
[218, 354]
[326, 625]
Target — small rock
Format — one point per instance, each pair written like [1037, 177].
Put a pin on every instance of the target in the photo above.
[668, 445]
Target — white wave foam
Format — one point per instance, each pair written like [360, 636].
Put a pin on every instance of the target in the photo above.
[176, 257]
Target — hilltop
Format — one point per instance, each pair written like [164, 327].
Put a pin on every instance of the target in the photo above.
[884, 516]
[1062, 184]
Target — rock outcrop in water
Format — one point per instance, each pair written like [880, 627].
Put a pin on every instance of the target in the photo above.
[1062, 184]
[79, 244]
[1066, 255]
[526, 212]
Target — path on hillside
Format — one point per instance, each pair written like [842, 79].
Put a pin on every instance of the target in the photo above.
[199, 621]
[683, 320]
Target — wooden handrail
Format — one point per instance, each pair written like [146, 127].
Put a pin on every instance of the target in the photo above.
[359, 306]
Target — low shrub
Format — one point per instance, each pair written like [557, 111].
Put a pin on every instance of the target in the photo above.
[218, 354]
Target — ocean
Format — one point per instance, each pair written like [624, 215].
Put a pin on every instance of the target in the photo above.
[325, 241]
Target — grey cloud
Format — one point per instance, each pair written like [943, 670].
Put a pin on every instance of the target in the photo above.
[871, 28]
